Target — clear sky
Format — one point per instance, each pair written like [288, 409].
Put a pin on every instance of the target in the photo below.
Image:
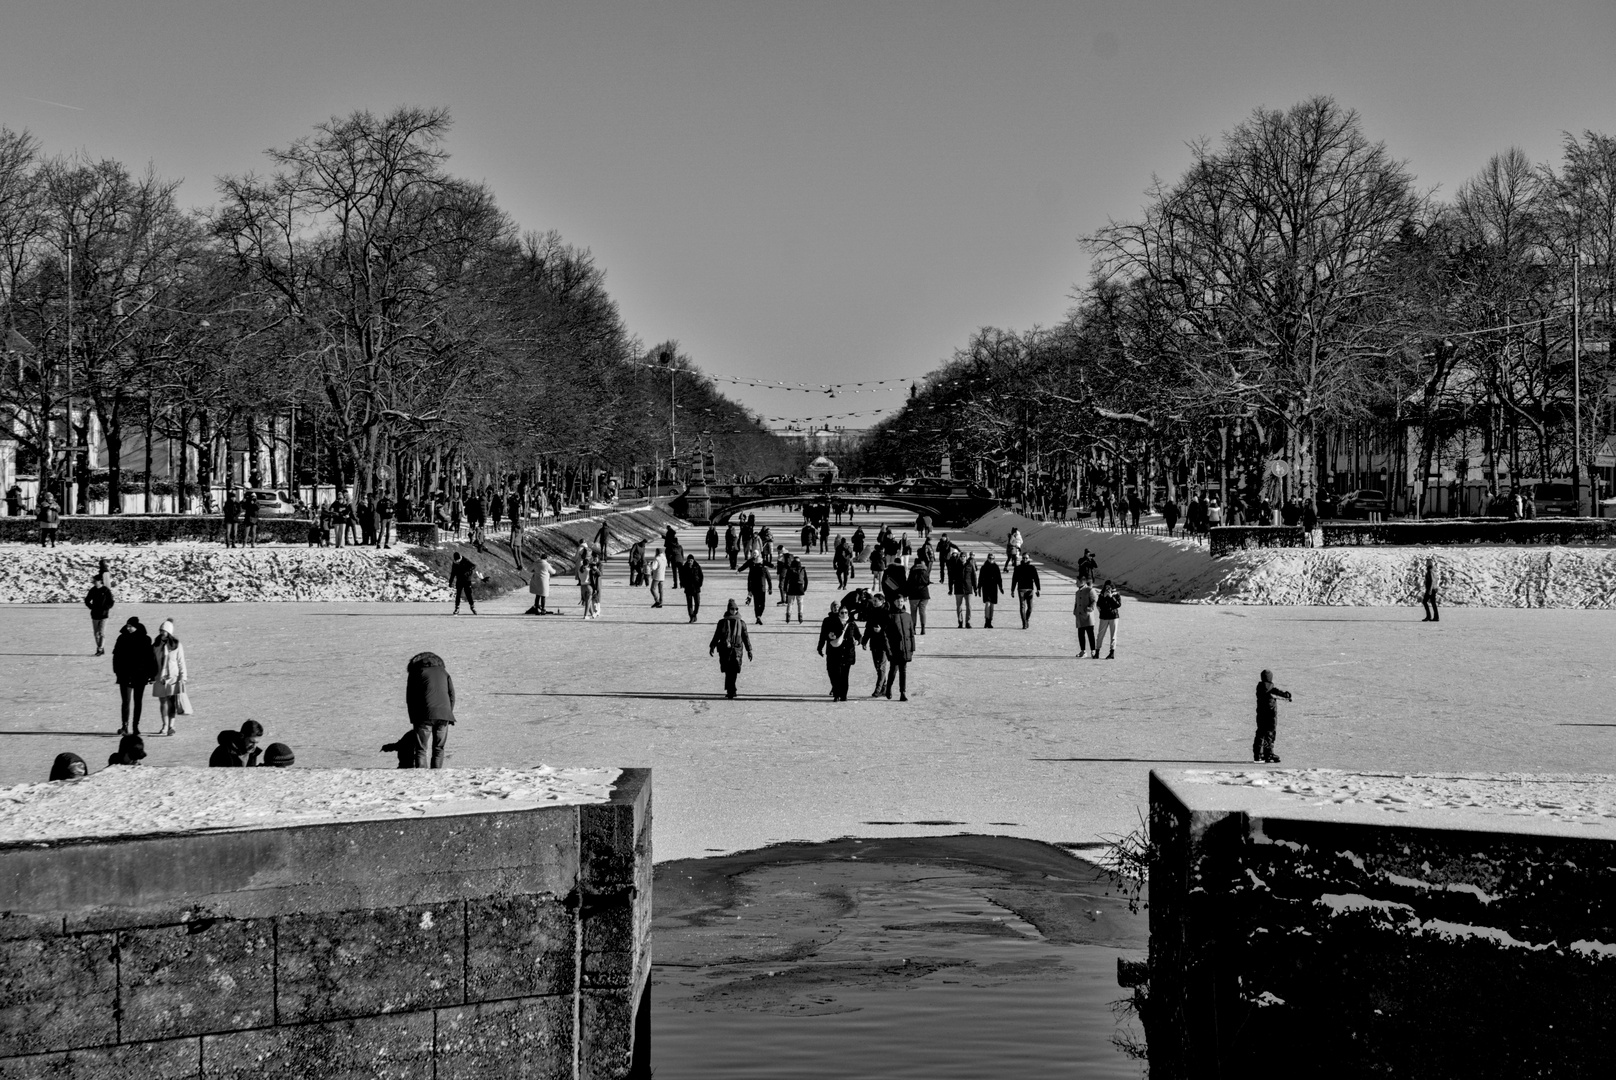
[808, 191]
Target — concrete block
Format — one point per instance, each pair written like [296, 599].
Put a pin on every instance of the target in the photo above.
[606, 1034]
[355, 963]
[519, 946]
[608, 834]
[199, 977]
[530, 1038]
[170, 1059]
[369, 1048]
[57, 993]
[610, 940]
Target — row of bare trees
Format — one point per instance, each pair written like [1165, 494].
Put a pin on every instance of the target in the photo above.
[1292, 284]
[358, 300]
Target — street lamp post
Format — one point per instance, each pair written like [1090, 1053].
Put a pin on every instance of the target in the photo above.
[666, 359]
[1576, 369]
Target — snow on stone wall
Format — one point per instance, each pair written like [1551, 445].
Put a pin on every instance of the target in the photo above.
[1471, 576]
[207, 573]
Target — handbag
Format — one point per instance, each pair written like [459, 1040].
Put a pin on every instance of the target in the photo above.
[182, 703]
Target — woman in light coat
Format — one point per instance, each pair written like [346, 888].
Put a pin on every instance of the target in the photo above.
[539, 585]
[169, 683]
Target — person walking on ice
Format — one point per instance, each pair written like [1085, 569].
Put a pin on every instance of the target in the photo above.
[99, 601]
[1110, 608]
[1428, 598]
[1084, 609]
[462, 571]
[729, 641]
[1024, 583]
[1262, 747]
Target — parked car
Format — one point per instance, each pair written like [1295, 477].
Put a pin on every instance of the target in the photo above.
[1362, 503]
[271, 503]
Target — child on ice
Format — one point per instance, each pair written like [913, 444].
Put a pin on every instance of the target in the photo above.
[1262, 747]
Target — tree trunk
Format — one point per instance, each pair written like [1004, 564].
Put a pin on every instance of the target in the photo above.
[182, 494]
[204, 459]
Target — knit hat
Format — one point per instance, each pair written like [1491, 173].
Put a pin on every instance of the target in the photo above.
[279, 755]
[731, 608]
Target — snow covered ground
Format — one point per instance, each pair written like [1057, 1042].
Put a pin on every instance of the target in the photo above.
[1005, 732]
[197, 572]
[127, 801]
[1175, 569]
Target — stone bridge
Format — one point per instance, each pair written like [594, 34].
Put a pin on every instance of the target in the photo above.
[947, 506]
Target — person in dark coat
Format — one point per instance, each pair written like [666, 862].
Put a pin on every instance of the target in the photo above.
[962, 583]
[1109, 606]
[68, 766]
[404, 748]
[1024, 583]
[991, 583]
[676, 560]
[1310, 515]
[1262, 747]
[838, 644]
[1170, 515]
[945, 557]
[809, 535]
[858, 544]
[728, 642]
[918, 590]
[732, 546]
[134, 665]
[690, 579]
[894, 581]
[1428, 598]
[794, 583]
[232, 517]
[712, 542]
[875, 639]
[900, 630]
[99, 601]
[462, 572]
[759, 584]
[228, 753]
[842, 562]
[131, 751]
[429, 695]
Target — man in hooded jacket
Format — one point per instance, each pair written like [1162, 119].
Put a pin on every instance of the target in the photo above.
[429, 695]
[759, 584]
[690, 579]
[728, 642]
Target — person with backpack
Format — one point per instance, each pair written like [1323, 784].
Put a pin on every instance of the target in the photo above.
[728, 642]
[99, 601]
[1024, 583]
[838, 644]
[990, 583]
[691, 580]
[1110, 608]
[795, 580]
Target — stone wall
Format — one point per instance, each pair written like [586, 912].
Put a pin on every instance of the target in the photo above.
[512, 943]
[1391, 934]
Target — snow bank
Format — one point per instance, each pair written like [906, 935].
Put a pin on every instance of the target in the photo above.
[208, 573]
[1471, 576]
[134, 801]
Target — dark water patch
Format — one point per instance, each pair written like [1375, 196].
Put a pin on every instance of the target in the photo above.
[961, 956]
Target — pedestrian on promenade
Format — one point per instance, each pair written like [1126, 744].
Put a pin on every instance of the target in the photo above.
[366, 513]
[348, 524]
[875, 640]
[168, 684]
[676, 558]
[795, 583]
[712, 542]
[462, 571]
[636, 564]
[232, 517]
[456, 510]
[429, 697]
[900, 627]
[133, 667]
[990, 584]
[1136, 506]
[838, 644]
[1310, 515]
[1012, 548]
[918, 589]
[1170, 514]
[592, 605]
[249, 519]
[809, 535]
[691, 580]
[1428, 599]
[539, 585]
[1109, 605]
[1086, 609]
[1262, 746]
[759, 584]
[729, 641]
[732, 546]
[14, 500]
[385, 511]
[68, 766]
[513, 513]
[894, 581]
[924, 557]
[962, 583]
[945, 558]
[656, 568]
[1024, 583]
[842, 562]
[824, 533]
[99, 601]
[858, 546]
[495, 501]
[603, 535]
[131, 751]
[1087, 566]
